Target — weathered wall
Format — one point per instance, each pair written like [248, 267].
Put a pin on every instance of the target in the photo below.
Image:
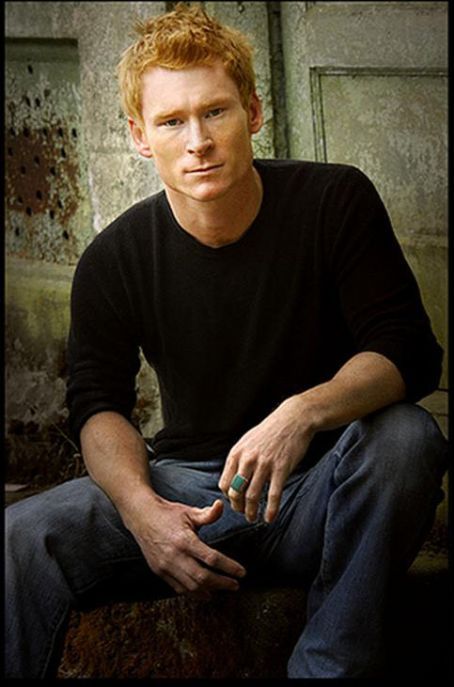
[364, 83]
[64, 54]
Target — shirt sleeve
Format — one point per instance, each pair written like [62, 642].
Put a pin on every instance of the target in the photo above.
[103, 350]
[377, 291]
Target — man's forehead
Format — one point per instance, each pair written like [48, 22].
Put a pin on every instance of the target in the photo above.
[170, 87]
[214, 72]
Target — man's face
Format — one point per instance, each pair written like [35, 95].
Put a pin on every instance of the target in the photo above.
[196, 130]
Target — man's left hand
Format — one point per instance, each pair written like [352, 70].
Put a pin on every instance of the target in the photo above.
[267, 453]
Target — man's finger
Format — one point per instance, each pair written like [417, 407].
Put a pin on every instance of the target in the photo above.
[228, 473]
[253, 494]
[177, 586]
[274, 496]
[215, 560]
[203, 578]
[207, 515]
[236, 499]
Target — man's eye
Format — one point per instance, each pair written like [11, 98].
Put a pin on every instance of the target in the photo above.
[171, 122]
[215, 112]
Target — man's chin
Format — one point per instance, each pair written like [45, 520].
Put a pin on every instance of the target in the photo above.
[206, 193]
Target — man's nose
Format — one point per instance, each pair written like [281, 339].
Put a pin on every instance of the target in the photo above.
[199, 140]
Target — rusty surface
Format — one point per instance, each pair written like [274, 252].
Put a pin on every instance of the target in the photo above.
[42, 186]
[42, 171]
[46, 190]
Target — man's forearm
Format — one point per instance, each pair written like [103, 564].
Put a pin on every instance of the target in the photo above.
[116, 458]
[367, 382]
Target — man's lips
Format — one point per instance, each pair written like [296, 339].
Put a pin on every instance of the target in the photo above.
[203, 170]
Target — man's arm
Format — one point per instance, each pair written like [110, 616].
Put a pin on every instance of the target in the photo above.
[270, 451]
[103, 352]
[116, 458]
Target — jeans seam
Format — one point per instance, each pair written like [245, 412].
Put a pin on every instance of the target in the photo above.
[324, 576]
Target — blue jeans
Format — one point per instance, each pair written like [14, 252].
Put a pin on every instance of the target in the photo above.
[347, 527]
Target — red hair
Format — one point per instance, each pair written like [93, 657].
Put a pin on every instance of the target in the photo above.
[184, 37]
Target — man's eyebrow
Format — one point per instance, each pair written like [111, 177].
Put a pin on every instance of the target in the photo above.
[215, 101]
[166, 114]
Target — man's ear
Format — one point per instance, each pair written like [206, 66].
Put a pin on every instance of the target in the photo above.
[255, 114]
[139, 138]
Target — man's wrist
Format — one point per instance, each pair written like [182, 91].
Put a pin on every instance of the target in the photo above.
[136, 501]
[313, 409]
[305, 409]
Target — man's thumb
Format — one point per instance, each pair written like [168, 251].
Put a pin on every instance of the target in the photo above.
[207, 515]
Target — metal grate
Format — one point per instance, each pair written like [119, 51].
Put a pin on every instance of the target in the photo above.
[47, 208]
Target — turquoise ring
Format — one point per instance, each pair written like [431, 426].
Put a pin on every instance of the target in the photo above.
[239, 483]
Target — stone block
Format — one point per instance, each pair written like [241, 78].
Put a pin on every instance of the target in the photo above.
[249, 634]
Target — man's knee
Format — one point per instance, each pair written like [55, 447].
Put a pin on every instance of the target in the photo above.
[49, 519]
[30, 519]
[26, 532]
[409, 435]
[399, 445]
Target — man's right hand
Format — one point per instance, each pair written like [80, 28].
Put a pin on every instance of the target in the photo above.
[167, 535]
[118, 461]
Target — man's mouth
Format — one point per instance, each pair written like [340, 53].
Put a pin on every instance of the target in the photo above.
[204, 170]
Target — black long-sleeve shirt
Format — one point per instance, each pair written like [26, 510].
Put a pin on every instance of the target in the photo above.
[232, 331]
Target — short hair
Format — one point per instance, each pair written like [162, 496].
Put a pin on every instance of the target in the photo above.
[184, 37]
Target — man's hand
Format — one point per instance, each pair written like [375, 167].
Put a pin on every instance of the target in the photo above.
[117, 460]
[268, 453]
[168, 538]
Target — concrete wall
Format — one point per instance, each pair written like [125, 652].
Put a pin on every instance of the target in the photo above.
[63, 55]
[366, 84]
[357, 82]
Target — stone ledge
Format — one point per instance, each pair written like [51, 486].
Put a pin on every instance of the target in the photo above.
[243, 635]
[249, 634]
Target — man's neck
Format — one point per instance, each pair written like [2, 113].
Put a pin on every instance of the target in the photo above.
[224, 220]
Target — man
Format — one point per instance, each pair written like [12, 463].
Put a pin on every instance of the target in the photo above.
[290, 344]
